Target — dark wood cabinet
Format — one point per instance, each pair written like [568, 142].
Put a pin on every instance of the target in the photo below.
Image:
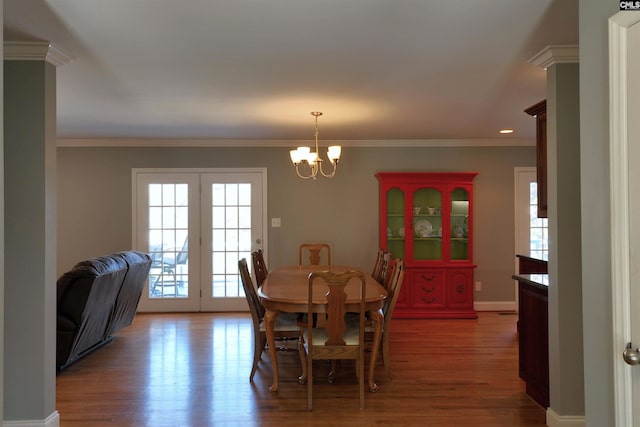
[528, 265]
[533, 338]
[539, 111]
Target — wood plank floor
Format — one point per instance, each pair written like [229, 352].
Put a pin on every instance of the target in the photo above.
[193, 370]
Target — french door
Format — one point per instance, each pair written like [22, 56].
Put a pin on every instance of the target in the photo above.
[196, 225]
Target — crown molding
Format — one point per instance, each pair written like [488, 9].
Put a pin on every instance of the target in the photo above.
[556, 54]
[35, 51]
[183, 143]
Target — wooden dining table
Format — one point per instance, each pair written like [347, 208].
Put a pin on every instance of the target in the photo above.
[286, 289]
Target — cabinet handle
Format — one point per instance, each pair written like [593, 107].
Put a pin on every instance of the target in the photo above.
[428, 279]
[426, 301]
[460, 288]
[433, 288]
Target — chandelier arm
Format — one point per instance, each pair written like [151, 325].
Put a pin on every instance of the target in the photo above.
[312, 174]
[330, 174]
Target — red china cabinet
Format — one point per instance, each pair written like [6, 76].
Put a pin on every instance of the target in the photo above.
[426, 218]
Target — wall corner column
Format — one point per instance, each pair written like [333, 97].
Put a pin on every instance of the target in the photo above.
[566, 367]
[30, 232]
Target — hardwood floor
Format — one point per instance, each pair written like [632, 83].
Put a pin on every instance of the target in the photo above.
[193, 370]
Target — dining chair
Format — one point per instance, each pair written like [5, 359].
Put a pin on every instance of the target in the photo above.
[259, 266]
[337, 339]
[286, 327]
[315, 251]
[393, 289]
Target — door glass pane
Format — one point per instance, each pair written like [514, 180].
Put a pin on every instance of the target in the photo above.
[168, 241]
[395, 222]
[427, 224]
[459, 240]
[231, 236]
[538, 227]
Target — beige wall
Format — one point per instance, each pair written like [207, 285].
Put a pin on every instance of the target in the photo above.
[94, 210]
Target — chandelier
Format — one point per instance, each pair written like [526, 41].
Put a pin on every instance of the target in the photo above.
[310, 162]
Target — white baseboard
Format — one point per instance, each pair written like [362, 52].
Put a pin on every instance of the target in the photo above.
[495, 306]
[555, 420]
[52, 420]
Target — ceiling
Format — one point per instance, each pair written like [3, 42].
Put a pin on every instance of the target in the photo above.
[253, 70]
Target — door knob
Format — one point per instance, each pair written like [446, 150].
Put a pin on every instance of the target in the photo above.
[258, 241]
[632, 357]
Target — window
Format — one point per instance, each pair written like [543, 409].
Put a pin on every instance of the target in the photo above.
[538, 227]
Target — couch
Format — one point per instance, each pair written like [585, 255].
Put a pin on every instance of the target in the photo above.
[95, 299]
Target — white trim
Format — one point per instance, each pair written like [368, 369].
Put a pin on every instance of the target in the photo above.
[556, 54]
[495, 306]
[35, 51]
[52, 420]
[555, 420]
[198, 170]
[620, 284]
[159, 142]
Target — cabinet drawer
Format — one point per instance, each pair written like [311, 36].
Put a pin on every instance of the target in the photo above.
[428, 288]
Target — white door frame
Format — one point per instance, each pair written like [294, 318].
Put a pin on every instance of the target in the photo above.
[619, 26]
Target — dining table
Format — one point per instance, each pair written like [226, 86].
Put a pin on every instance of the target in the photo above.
[286, 289]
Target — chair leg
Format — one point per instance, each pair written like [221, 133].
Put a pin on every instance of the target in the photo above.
[386, 360]
[309, 382]
[303, 361]
[332, 371]
[361, 382]
[258, 346]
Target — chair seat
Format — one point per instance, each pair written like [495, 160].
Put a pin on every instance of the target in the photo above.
[320, 335]
[284, 322]
[352, 322]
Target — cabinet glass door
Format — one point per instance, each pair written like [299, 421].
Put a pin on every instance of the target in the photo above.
[395, 222]
[459, 212]
[427, 224]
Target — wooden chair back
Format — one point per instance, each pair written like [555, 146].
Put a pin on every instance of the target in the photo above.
[314, 251]
[337, 339]
[385, 269]
[256, 309]
[393, 288]
[375, 273]
[259, 266]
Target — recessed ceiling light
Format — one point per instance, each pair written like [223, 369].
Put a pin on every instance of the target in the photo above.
[505, 131]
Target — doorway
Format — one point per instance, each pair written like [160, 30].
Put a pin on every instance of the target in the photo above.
[196, 225]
